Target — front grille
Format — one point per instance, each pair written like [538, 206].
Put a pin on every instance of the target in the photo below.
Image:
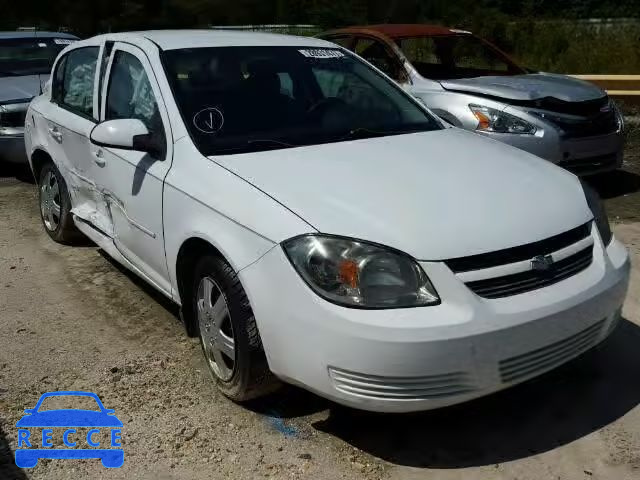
[531, 279]
[13, 119]
[587, 108]
[520, 253]
[546, 358]
[401, 388]
[601, 124]
[590, 164]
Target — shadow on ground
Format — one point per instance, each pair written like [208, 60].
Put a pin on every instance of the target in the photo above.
[8, 469]
[532, 418]
[615, 184]
[11, 171]
[155, 295]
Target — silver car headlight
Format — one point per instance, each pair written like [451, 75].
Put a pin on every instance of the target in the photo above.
[619, 115]
[354, 273]
[492, 120]
[601, 219]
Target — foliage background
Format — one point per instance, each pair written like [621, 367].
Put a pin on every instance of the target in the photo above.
[551, 35]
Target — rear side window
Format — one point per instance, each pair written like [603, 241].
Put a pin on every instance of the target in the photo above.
[74, 80]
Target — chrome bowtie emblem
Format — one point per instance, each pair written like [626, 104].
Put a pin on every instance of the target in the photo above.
[542, 263]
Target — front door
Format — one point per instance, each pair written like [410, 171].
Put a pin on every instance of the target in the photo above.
[132, 182]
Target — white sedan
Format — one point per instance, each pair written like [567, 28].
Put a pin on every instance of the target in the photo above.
[318, 225]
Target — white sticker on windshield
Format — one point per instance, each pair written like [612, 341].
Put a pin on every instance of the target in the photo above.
[321, 53]
[63, 41]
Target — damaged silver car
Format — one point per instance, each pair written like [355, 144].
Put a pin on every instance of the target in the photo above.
[26, 58]
[473, 85]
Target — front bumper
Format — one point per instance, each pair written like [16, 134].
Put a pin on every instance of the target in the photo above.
[581, 155]
[413, 359]
[12, 149]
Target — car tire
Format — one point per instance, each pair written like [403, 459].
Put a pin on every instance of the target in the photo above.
[224, 319]
[55, 206]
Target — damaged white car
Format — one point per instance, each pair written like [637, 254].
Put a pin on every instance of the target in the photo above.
[317, 224]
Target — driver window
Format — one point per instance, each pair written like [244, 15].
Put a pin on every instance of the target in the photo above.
[130, 94]
[375, 53]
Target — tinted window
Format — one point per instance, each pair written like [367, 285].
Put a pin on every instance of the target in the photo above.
[74, 89]
[236, 99]
[29, 56]
[375, 53]
[130, 94]
[455, 56]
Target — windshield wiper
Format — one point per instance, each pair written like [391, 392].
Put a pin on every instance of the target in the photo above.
[270, 141]
[255, 144]
[363, 132]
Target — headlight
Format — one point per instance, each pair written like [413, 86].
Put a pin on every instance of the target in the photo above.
[492, 120]
[359, 274]
[599, 213]
[619, 116]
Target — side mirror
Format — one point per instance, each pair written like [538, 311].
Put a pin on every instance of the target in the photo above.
[128, 134]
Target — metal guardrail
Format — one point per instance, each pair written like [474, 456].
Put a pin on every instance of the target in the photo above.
[620, 87]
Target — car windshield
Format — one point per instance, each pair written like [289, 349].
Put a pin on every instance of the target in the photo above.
[456, 56]
[29, 56]
[242, 99]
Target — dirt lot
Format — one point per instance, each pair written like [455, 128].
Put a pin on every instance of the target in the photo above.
[73, 320]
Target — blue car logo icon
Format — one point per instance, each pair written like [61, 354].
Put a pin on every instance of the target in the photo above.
[69, 419]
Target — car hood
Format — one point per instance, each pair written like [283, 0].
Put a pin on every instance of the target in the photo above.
[69, 418]
[528, 87]
[23, 87]
[434, 195]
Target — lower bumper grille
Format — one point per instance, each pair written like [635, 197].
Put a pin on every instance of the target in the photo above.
[546, 358]
[531, 280]
[590, 164]
[401, 388]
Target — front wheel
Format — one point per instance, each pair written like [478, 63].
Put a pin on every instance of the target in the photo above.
[55, 206]
[228, 333]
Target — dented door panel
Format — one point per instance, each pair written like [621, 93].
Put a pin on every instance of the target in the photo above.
[131, 183]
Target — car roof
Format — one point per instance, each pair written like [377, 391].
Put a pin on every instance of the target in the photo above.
[402, 30]
[35, 34]
[177, 39]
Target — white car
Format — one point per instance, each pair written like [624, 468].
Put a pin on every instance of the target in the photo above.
[317, 224]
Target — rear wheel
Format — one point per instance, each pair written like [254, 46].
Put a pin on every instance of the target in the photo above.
[228, 333]
[55, 206]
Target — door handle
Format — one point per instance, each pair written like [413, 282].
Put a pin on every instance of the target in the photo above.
[55, 134]
[98, 158]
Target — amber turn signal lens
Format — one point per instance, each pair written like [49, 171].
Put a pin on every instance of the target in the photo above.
[483, 120]
[349, 273]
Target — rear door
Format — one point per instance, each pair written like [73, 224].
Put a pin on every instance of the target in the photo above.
[69, 120]
[131, 181]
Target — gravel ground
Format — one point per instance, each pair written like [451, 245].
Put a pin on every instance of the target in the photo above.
[71, 319]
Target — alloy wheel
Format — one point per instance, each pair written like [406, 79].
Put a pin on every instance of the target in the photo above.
[216, 329]
[50, 202]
